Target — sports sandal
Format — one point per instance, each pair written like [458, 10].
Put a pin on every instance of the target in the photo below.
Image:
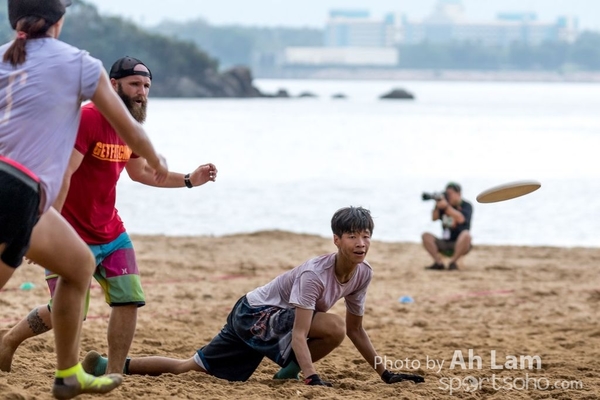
[80, 382]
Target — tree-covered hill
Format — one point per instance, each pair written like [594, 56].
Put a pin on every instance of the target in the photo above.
[179, 67]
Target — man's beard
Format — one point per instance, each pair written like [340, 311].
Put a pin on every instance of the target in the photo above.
[137, 111]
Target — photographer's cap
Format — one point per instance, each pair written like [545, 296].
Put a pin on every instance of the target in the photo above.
[125, 67]
[50, 10]
[454, 186]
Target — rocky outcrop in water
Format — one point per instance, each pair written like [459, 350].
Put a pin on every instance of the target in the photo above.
[398, 94]
[232, 83]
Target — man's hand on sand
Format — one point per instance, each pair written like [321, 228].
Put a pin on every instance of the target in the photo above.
[315, 380]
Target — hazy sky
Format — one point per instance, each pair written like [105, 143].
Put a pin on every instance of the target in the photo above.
[314, 13]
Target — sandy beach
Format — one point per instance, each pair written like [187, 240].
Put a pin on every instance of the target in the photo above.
[528, 315]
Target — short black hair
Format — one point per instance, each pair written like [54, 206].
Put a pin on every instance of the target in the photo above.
[350, 220]
[454, 186]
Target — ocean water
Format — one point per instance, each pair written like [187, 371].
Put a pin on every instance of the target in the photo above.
[289, 164]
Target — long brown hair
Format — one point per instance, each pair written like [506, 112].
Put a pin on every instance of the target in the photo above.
[32, 28]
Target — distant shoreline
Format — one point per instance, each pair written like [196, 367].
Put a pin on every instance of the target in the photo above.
[431, 75]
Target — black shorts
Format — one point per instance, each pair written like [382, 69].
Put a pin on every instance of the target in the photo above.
[446, 247]
[251, 333]
[19, 212]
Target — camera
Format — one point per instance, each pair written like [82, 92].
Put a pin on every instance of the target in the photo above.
[434, 196]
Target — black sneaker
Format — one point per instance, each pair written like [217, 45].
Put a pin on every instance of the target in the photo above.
[452, 266]
[436, 266]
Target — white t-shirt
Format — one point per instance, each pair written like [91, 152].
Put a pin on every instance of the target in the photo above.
[39, 107]
[314, 286]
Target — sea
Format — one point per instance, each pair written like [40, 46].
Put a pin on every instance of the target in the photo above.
[289, 163]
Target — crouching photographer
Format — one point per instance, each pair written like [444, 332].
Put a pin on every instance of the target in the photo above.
[455, 214]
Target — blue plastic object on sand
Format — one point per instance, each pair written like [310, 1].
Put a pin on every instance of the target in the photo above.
[27, 286]
[406, 300]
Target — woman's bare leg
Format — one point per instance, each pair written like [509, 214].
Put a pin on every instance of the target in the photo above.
[56, 246]
[5, 271]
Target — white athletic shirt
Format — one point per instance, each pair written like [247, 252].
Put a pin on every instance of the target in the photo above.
[314, 286]
[39, 107]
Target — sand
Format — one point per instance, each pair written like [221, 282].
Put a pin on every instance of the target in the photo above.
[525, 304]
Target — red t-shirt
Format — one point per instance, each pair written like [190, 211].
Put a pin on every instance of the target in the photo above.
[90, 204]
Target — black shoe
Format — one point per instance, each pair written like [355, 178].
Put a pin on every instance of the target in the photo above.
[453, 266]
[436, 266]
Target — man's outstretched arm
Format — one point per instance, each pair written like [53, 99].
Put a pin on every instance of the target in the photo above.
[139, 171]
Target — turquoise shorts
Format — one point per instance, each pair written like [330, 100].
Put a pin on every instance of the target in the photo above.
[116, 272]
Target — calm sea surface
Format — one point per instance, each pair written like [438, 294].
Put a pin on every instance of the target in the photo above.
[289, 164]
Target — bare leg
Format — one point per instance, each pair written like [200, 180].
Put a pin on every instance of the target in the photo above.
[37, 322]
[429, 244]
[162, 365]
[121, 328]
[327, 332]
[5, 271]
[462, 246]
[57, 247]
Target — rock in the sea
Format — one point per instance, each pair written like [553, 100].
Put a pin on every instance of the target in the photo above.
[282, 93]
[235, 82]
[339, 96]
[398, 94]
[307, 94]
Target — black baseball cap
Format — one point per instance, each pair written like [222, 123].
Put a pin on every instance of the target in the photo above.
[50, 10]
[125, 67]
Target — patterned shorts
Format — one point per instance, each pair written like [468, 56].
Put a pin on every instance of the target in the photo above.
[116, 272]
[251, 333]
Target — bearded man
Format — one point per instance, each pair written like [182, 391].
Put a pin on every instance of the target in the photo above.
[87, 201]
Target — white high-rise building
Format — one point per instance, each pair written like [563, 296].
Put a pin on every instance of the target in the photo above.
[352, 39]
[356, 28]
[448, 23]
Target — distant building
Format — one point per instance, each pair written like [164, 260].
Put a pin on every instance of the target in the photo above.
[447, 23]
[356, 28]
[352, 39]
[341, 57]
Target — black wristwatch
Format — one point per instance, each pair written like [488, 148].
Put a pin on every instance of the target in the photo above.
[187, 181]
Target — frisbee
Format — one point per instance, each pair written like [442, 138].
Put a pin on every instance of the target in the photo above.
[508, 191]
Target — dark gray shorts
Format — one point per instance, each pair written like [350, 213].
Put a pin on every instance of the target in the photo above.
[446, 247]
[251, 333]
[19, 212]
